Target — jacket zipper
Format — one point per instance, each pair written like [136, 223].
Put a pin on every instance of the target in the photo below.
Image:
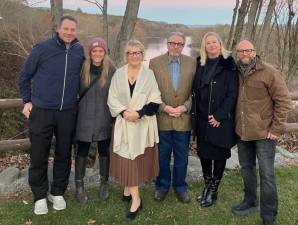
[65, 71]
[210, 96]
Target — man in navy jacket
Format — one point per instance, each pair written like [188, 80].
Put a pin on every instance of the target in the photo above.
[49, 83]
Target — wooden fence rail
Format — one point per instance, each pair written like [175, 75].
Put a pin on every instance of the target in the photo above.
[24, 144]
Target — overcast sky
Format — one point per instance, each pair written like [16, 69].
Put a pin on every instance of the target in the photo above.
[190, 12]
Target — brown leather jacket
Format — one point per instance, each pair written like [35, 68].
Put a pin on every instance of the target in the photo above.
[263, 103]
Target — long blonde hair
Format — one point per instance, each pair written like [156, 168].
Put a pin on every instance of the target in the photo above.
[85, 75]
[223, 51]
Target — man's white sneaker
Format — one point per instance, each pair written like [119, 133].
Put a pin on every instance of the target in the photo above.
[41, 207]
[58, 202]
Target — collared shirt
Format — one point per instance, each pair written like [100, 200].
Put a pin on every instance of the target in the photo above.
[174, 66]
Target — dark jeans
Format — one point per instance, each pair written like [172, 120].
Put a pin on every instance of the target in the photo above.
[43, 124]
[264, 151]
[178, 143]
[102, 148]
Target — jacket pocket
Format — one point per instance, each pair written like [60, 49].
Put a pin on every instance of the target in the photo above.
[256, 90]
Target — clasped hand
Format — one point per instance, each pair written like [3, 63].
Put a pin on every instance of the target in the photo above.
[131, 115]
[175, 112]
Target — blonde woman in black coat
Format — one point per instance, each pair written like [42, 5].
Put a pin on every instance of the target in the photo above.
[94, 119]
[215, 90]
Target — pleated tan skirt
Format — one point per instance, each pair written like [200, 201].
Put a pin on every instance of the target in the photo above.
[135, 172]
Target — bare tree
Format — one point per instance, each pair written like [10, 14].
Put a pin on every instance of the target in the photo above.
[282, 33]
[57, 12]
[231, 33]
[103, 8]
[20, 28]
[265, 33]
[127, 28]
[293, 40]
[252, 19]
[254, 32]
[242, 12]
[105, 24]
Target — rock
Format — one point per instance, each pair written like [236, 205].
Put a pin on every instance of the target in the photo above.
[194, 162]
[90, 172]
[7, 178]
[96, 164]
[50, 173]
[24, 173]
[9, 175]
[233, 162]
[286, 153]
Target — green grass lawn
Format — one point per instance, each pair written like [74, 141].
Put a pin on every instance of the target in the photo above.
[169, 212]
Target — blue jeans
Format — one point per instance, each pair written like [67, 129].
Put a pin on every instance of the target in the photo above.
[178, 143]
[264, 150]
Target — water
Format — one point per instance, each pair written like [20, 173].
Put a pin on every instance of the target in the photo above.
[158, 47]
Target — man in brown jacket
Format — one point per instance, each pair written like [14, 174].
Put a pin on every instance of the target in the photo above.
[263, 104]
[174, 73]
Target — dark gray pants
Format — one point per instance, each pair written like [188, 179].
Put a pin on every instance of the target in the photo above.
[43, 124]
[264, 151]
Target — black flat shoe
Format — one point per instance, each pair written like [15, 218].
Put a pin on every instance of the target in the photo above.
[133, 215]
[126, 198]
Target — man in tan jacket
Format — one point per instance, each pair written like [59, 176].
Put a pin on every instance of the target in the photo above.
[263, 104]
[174, 73]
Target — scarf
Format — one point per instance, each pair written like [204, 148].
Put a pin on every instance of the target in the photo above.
[247, 69]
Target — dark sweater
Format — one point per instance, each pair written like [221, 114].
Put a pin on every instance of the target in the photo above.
[149, 109]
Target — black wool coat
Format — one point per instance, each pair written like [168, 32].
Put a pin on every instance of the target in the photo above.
[218, 98]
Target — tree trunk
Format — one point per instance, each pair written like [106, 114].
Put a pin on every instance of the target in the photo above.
[265, 33]
[254, 38]
[127, 28]
[251, 19]
[293, 44]
[279, 42]
[105, 21]
[56, 12]
[231, 34]
[242, 12]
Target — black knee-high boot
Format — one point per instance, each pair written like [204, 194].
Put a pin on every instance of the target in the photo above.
[104, 163]
[80, 168]
[219, 167]
[207, 176]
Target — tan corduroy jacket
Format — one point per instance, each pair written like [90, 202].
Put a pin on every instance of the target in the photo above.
[182, 96]
[263, 103]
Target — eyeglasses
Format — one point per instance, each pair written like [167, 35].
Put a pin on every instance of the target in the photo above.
[139, 53]
[174, 44]
[242, 51]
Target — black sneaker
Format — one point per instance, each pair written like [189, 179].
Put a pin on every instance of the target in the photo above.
[245, 208]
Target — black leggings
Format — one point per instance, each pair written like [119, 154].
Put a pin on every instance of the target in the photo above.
[102, 148]
[218, 167]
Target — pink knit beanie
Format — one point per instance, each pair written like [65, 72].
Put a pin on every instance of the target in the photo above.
[98, 42]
